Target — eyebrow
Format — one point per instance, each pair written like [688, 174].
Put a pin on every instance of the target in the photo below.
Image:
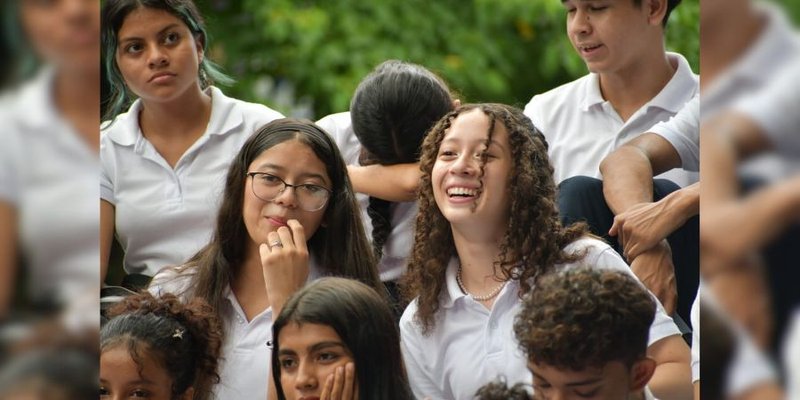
[495, 142]
[283, 169]
[314, 348]
[579, 383]
[139, 382]
[161, 32]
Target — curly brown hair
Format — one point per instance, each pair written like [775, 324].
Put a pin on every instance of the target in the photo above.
[185, 339]
[585, 317]
[533, 243]
[499, 390]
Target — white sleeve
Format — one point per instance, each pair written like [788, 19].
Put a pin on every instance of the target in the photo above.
[419, 376]
[682, 131]
[9, 183]
[775, 110]
[663, 326]
[106, 170]
[695, 317]
[791, 357]
[749, 366]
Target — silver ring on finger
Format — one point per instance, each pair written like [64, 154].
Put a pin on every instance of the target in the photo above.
[276, 243]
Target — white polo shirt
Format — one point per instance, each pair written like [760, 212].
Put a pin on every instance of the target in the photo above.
[774, 48]
[48, 173]
[398, 245]
[775, 109]
[165, 215]
[470, 346]
[245, 360]
[582, 128]
[682, 131]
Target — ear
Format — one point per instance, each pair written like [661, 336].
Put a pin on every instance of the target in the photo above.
[188, 394]
[641, 372]
[199, 42]
[656, 9]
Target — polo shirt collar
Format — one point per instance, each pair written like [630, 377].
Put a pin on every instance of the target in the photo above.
[671, 98]
[225, 117]
[452, 292]
[36, 102]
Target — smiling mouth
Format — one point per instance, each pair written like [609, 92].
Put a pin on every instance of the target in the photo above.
[587, 49]
[462, 192]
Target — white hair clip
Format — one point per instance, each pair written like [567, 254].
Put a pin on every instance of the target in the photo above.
[178, 333]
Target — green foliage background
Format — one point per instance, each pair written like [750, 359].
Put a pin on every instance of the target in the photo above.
[487, 50]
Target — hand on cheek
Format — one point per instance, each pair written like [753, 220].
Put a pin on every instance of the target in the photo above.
[341, 384]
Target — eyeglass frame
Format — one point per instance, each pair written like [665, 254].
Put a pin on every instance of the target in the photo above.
[285, 186]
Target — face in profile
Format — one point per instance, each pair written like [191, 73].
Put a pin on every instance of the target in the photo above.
[462, 194]
[614, 381]
[122, 378]
[266, 208]
[308, 355]
[158, 55]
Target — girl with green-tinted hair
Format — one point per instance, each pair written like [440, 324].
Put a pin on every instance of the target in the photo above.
[165, 158]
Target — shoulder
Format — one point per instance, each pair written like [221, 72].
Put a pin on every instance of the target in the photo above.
[545, 103]
[229, 107]
[175, 280]
[596, 253]
[335, 123]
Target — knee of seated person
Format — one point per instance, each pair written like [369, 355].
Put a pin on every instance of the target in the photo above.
[580, 186]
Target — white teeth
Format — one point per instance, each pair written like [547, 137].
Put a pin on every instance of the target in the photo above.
[461, 191]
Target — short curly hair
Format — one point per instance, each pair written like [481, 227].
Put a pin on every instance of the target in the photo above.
[499, 390]
[583, 317]
[185, 339]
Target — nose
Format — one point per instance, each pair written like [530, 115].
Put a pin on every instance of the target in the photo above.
[157, 57]
[306, 377]
[286, 197]
[466, 164]
[578, 23]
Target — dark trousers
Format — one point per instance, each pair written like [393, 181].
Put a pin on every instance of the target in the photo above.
[580, 198]
[783, 270]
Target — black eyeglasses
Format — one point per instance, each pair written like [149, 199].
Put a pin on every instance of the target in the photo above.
[310, 197]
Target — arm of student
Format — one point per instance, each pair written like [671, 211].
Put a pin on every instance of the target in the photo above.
[397, 182]
[8, 254]
[725, 141]
[672, 378]
[628, 189]
[655, 269]
[107, 215]
[733, 230]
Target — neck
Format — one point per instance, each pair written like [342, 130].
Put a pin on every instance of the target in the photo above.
[77, 97]
[170, 118]
[726, 38]
[249, 283]
[477, 256]
[630, 88]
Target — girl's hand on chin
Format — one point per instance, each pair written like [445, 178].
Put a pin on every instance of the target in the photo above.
[284, 262]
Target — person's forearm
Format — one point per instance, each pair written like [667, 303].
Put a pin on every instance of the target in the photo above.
[672, 378]
[719, 155]
[8, 255]
[627, 179]
[107, 216]
[683, 203]
[396, 183]
[766, 213]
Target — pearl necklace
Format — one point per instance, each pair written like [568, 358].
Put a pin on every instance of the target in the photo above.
[486, 297]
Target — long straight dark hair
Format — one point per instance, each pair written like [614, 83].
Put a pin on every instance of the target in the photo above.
[365, 324]
[339, 245]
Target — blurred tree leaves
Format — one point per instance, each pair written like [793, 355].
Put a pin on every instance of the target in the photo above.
[305, 57]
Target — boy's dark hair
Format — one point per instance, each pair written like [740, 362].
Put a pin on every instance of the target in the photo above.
[582, 318]
[671, 4]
